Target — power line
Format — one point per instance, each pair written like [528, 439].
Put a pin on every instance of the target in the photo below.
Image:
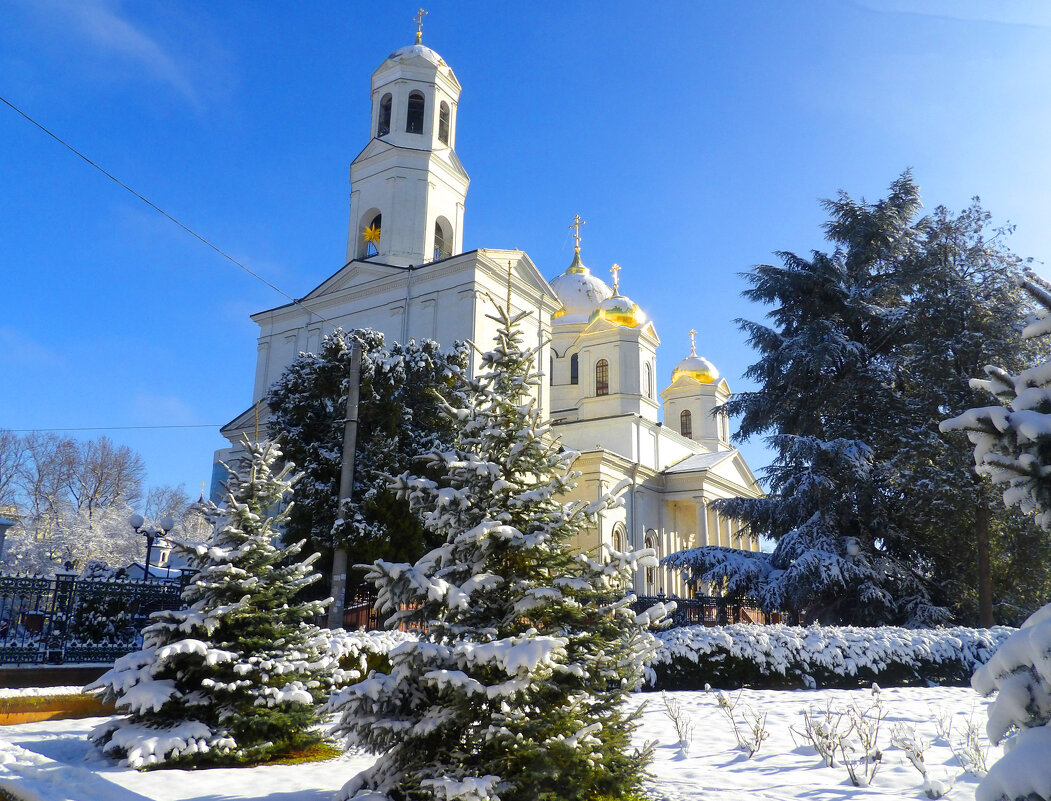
[158, 209]
[108, 428]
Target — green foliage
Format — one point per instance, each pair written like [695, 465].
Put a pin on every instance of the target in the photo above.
[399, 416]
[526, 650]
[873, 343]
[239, 674]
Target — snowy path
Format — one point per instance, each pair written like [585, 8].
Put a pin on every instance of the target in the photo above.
[52, 761]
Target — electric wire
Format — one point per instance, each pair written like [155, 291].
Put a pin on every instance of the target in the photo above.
[159, 210]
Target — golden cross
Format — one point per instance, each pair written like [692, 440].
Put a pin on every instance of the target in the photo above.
[577, 222]
[616, 280]
[418, 19]
[693, 344]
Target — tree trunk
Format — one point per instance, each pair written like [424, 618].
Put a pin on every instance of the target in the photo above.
[985, 576]
[346, 485]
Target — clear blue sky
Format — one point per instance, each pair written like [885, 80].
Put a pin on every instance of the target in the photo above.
[695, 138]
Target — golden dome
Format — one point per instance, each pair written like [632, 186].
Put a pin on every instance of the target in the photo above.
[619, 310]
[696, 367]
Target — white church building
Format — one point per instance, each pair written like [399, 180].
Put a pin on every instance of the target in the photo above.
[407, 276]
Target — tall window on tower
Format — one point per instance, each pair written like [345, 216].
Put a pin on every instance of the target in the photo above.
[686, 424]
[574, 369]
[443, 123]
[443, 244]
[601, 377]
[370, 237]
[414, 115]
[383, 126]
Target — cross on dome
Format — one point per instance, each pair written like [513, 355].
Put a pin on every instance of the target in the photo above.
[577, 222]
[418, 19]
[693, 342]
[614, 270]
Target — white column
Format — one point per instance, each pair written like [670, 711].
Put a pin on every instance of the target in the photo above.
[702, 523]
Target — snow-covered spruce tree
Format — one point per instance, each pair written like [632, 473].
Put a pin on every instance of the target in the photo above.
[826, 398]
[527, 651]
[240, 674]
[868, 346]
[1012, 446]
[820, 508]
[399, 416]
[1012, 439]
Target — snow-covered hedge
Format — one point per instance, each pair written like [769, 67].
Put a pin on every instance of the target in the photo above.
[773, 656]
[819, 656]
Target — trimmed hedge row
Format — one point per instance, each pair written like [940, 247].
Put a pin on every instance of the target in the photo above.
[795, 657]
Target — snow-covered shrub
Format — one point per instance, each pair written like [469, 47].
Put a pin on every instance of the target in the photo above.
[1020, 674]
[514, 689]
[818, 656]
[861, 753]
[751, 732]
[239, 674]
[680, 720]
[821, 731]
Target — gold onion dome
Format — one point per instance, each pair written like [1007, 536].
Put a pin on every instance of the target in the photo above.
[579, 291]
[618, 309]
[696, 367]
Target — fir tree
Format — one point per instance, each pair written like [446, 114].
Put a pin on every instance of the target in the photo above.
[875, 516]
[240, 673]
[515, 689]
[398, 416]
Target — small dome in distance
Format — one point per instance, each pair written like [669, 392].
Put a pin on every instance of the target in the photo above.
[696, 367]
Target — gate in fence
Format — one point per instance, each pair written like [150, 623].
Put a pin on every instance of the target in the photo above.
[65, 619]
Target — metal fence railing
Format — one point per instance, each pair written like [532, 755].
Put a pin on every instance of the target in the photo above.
[64, 619]
[702, 610]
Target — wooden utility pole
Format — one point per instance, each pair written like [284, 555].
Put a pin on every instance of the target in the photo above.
[346, 484]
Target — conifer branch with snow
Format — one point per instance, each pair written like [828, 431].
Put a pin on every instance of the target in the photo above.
[514, 689]
[240, 673]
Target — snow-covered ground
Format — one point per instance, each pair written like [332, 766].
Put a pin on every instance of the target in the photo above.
[52, 761]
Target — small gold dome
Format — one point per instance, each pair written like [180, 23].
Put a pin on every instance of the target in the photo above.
[619, 310]
[696, 367]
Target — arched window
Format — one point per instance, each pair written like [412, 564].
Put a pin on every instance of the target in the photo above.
[574, 369]
[649, 380]
[618, 538]
[414, 114]
[383, 126]
[443, 123]
[651, 572]
[686, 424]
[443, 241]
[368, 244]
[601, 377]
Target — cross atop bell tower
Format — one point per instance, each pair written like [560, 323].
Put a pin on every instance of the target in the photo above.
[408, 188]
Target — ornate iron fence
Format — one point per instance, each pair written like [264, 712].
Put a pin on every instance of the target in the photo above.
[703, 610]
[64, 619]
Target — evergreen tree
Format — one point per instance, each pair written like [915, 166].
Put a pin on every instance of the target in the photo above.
[1012, 447]
[827, 393]
[516, 686]
[868, 347]
[398, 416]
[240, 673]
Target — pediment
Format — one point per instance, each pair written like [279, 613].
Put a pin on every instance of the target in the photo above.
[522, 268]
[356, 273]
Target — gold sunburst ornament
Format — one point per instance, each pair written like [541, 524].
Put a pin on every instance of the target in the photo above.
[371, 234]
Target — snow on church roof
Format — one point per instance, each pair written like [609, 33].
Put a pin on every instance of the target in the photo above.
[699, 461]
[579, 291]
[417, 51]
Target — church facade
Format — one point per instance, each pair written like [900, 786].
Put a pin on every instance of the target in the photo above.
[407, 276]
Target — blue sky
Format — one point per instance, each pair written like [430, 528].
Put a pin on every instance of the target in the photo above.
[695, 138]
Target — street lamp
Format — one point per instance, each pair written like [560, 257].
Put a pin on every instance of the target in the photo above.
[151, 534]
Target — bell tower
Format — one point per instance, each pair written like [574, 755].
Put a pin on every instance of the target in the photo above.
[408, 188]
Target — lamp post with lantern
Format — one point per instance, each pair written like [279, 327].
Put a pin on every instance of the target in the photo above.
[151, 534]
